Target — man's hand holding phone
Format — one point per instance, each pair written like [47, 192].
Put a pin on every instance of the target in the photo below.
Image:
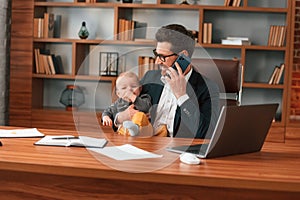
[176, 77]
[183, 62]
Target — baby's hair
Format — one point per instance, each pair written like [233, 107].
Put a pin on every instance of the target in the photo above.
[129, 74]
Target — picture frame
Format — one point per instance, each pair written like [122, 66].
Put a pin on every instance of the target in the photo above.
[108, 63]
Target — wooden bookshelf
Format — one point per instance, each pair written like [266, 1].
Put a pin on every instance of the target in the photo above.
[28, 90]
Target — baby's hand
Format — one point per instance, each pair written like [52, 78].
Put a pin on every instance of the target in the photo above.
[129, 96]
[106, 121]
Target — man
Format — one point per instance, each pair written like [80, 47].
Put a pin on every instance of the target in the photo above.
[184, 102]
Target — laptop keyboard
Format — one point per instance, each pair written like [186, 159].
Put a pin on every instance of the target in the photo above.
[196, 149]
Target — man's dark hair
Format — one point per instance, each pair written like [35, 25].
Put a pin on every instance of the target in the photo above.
[179, 37]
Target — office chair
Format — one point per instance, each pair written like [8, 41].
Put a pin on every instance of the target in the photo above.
[228, 74]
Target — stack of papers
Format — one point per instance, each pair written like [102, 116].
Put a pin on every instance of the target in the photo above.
[70, 140]
[20, 133]
[236, 41]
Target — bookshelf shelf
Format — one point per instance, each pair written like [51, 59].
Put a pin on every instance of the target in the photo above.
[251, 19]
[70, 4]
[263, 85]
[77, 77]
[93, 41]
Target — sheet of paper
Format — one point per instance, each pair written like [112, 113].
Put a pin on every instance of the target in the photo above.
[126, 152]
[16, 133]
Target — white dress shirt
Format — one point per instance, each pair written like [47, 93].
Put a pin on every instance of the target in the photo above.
[167, 106]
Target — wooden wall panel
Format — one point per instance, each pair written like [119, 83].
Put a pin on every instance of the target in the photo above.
[22, 4]
[54, 120]
[20, 44]
[21, 60]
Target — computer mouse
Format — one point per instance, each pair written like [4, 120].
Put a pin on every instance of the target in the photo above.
[189, 158]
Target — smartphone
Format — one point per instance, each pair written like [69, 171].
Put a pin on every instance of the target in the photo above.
[183, 61]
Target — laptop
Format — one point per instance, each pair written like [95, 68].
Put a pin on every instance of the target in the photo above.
[239, 129]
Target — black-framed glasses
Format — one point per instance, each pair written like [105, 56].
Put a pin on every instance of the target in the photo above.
[162, 57]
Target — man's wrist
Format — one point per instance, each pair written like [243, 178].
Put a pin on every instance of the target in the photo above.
[182, 99]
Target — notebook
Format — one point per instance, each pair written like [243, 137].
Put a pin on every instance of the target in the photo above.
[239, 129]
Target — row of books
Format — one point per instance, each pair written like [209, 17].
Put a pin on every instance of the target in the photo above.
[277, 74]
[234, 3]
[46, 63]
[47, 27]
[236, 41]
[207, 33]
[277, 35]
[145, 63]
[126, 29]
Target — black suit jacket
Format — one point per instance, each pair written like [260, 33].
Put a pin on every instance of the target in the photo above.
[198, 115]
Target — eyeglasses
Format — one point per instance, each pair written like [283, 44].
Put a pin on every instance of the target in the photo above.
[162, 57]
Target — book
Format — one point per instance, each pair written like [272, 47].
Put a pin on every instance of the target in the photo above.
[40, 25]
[277, 74]
[145, 63]
[126, 29]
[271, 35]
[51, 64]
[20, 133]
[235, 42]
[277, 35]
[46, 63]
[282, 36]
[273, 75]
[237, 38]
[36, 27]
[280, 74]
[204, 40]
[209, 33]
[45, 25]
[228, 2]
[236, 3]
[70, 140]
[36, 58]
[43, 61]
[58, 65]
[57, 26]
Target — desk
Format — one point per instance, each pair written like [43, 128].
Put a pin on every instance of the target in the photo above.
[46, 172]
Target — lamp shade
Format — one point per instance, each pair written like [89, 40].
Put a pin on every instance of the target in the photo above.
[72, 97]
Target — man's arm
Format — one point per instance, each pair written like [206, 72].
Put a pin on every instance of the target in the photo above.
[199, 113]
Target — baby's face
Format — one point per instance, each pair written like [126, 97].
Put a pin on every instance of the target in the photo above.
[127, 86]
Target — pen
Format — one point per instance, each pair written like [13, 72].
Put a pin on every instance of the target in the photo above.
[65, 138]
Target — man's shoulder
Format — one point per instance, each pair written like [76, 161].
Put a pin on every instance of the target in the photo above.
[196, 77]
[153, 72]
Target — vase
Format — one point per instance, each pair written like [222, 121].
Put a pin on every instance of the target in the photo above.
[83, 32]
[72, 97]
